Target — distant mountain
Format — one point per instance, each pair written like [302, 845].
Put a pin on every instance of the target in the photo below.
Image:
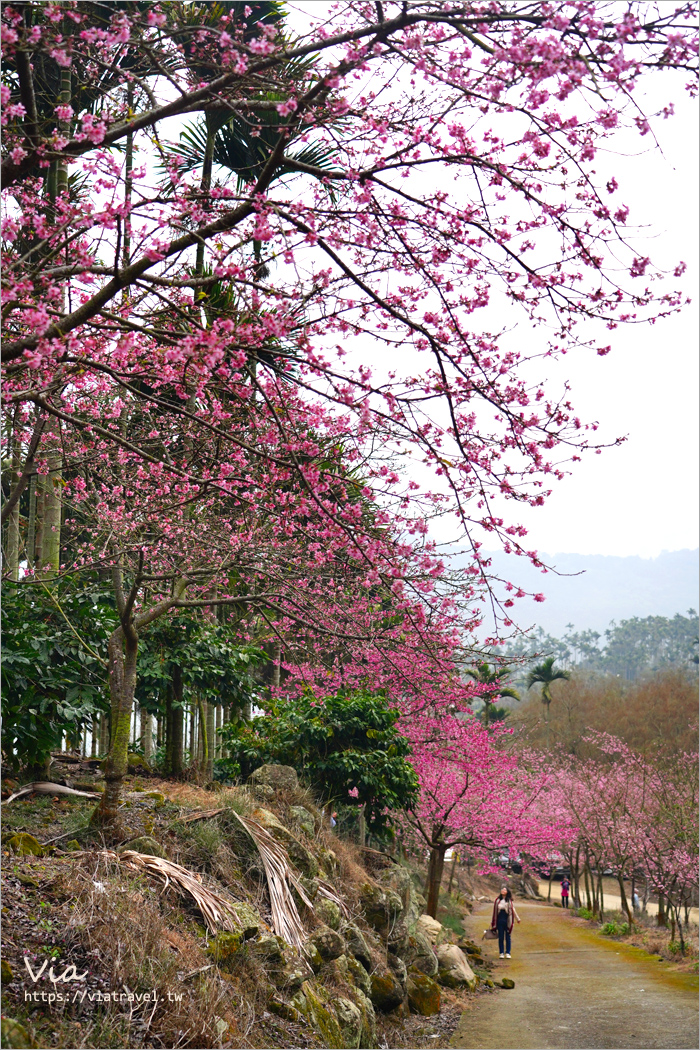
[608, 588]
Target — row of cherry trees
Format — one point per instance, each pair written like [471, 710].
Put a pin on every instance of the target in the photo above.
[241, 308]
[631, 813]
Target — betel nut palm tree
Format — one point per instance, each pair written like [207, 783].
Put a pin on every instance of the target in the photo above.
[545, 674]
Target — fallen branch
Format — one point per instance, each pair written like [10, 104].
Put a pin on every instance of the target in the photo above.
[44, 788]
[202, 815]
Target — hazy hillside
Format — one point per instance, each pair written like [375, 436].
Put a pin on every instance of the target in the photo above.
[608, 588]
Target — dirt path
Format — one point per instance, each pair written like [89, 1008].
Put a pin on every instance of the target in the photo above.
[573, 989]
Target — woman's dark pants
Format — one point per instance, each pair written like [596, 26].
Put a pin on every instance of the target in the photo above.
[503, 934]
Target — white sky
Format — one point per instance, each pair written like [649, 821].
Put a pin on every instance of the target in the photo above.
[639, 498]
[642, 497]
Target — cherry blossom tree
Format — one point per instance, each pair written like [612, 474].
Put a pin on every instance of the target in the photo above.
[475, 793]
[219, 375]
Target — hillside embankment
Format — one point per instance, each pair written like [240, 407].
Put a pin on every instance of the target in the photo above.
[229, 917]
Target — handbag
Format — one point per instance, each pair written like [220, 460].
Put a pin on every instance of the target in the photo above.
[490, 935]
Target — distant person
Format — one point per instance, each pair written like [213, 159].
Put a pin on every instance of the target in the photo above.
[504, 914]
[636, 903]
[565, 887]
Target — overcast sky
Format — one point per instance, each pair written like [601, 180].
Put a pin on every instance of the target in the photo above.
[642, 497]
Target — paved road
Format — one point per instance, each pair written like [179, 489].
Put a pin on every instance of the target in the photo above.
[574, 989]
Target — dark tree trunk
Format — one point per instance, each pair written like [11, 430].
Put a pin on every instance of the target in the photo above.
[122, 651]
[176, 724]
[435, 869]
[623, 900]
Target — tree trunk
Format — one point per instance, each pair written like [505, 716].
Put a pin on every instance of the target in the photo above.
[12, 550]
[577, 878]
[176, 724]
[588, 884]
[549, 887]
[50, 557]
[104, 734]
[435, 869]
[202, 741]
[661, 913]
[94, 736]
[362, 827]
[146, 735]
[219, 717]
[452, 873]
[623, 900]
[30, 545]
[122, 652]
[193, 734]
[168, 757]
[600, 894]
[211, 739]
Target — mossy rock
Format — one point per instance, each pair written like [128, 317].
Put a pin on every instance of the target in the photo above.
[507, 982]
[72, 845]
[249, 920]
[224, 948]
[26, 845]
[15, 1036]
[329, 913]
[386, 993]
[357, 945]
[312, 956]
[283, 1010]
[350, 1021]
[397, 939]
[381, 907]
[423, 995]
[27, 880]
[292, 974]
[304, 819]
[6, 971]
[144, 844]
[312, 1003]
[357, 975]
[328, 942]
[157, 796]
[269, 949]
[398, 879]
[398, 968]
[329, 860]
[136, 762]
[419, 955]
[368, 1035]
[278, 777]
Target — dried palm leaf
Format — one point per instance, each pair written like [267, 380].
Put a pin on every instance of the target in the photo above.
[281, 877]
[218, 912]
[326, 890]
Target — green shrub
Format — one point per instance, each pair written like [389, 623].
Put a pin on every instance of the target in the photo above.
[346, 747]
[615, 929]
[584, 913]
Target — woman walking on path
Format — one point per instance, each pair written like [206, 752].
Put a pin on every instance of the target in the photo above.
[565, 887]
[504, 914]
